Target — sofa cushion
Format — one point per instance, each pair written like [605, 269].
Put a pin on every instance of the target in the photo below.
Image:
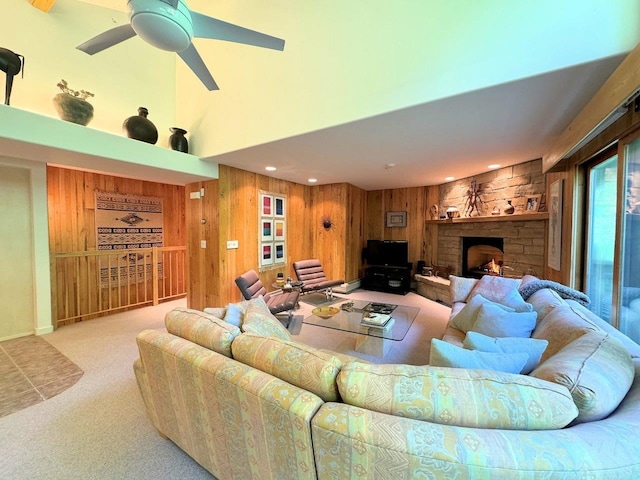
[217, 312]
[444, 354]
[495, 288]
[494, 321]
[545, 300]
[531, 346]
[596, 369]
[260, 321]
[460, 288]
[295, 363]
[468, 315]
[201, 328]
[444, 395]
[560, 327]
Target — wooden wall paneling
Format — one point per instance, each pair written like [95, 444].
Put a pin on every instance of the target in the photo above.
[411, 200]
[375, 215]
[355, 239]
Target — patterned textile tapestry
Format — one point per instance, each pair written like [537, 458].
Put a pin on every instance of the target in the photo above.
[128, 221]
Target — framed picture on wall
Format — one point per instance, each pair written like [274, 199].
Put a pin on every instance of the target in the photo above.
[266, 205]
[280, 255]
[266, 229]
[279, 206]
[272, 226]
[396, 219]
[278, 230]
[266, 254]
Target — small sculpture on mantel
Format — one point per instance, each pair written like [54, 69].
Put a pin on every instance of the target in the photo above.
[434, 212]
[474, 202]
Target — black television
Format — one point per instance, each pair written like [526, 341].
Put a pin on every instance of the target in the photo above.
[392, 253]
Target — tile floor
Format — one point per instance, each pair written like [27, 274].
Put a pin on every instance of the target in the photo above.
[32, 371]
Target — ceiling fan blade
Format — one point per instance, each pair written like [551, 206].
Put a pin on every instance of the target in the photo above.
[107, 39]
[173, 3]
[193, 60]
[208, 27]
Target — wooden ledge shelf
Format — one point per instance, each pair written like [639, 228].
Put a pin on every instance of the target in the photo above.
[495, 218]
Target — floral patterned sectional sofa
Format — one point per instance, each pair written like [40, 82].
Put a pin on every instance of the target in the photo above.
[232, 390]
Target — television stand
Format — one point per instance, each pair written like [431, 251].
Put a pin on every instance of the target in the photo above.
[388, 279]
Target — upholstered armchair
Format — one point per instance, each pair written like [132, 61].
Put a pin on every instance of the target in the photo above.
[279, 301]
[312, 276]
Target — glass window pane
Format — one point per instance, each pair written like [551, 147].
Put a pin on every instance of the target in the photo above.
[630, 259]
[601, 236]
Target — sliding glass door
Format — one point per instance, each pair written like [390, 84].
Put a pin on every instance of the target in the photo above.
[629, 291]
[602, 194]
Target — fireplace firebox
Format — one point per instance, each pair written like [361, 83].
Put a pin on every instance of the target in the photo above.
[482, 256]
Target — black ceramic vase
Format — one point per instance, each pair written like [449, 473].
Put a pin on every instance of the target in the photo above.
[177, 140]
[139, 127]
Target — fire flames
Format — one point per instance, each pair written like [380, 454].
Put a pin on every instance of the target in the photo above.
[493, 267]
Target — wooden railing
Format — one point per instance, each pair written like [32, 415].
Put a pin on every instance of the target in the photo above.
[95, 283]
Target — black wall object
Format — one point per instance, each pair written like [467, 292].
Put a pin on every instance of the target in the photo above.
[10, 63]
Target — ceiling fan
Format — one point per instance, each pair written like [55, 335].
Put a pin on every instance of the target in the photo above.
[170, 25]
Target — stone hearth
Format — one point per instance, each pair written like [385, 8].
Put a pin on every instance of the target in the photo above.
[523, 244]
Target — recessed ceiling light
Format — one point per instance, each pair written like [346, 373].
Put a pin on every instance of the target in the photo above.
[270, 169]
[312, 180]
[448, 179]
[389, 165]
[493, 166]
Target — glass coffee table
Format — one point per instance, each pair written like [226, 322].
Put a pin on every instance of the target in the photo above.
[371, 340]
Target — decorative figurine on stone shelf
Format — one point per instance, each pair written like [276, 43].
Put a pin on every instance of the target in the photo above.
[474, 202]
[434, 212]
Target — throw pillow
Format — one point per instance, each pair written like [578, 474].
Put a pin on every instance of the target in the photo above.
[493, 321]
[444, 354]
[494, 288]
[259, 320]
[466, 317]
[295, 363]
[460, 287]
[596, 369]
[514, 300]
[233, 315]
[201, 328]
[457, 396]
[531, 346]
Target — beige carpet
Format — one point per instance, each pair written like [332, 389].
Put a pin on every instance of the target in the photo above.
[98, 428]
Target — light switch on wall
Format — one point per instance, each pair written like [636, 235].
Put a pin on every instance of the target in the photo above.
[203, 244]
[232, 244]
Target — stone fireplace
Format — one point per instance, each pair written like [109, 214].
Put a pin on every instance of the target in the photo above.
[482, 256]
[523, 244]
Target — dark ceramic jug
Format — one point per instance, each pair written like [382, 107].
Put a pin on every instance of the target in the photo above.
[139, 127]
[178, 141]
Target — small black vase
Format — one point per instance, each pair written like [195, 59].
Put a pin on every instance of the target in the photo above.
[177, 141]
[139, 127]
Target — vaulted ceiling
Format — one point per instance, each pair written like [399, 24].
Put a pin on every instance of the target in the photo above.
[403, 96]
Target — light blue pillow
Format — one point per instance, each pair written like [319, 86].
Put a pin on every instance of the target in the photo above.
[234, 315]
[466, 317]
[514, 300]
[444, 354]
[493, 321]
[531, 346]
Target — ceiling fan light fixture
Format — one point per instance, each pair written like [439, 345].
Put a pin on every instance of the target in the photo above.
[161, 25]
